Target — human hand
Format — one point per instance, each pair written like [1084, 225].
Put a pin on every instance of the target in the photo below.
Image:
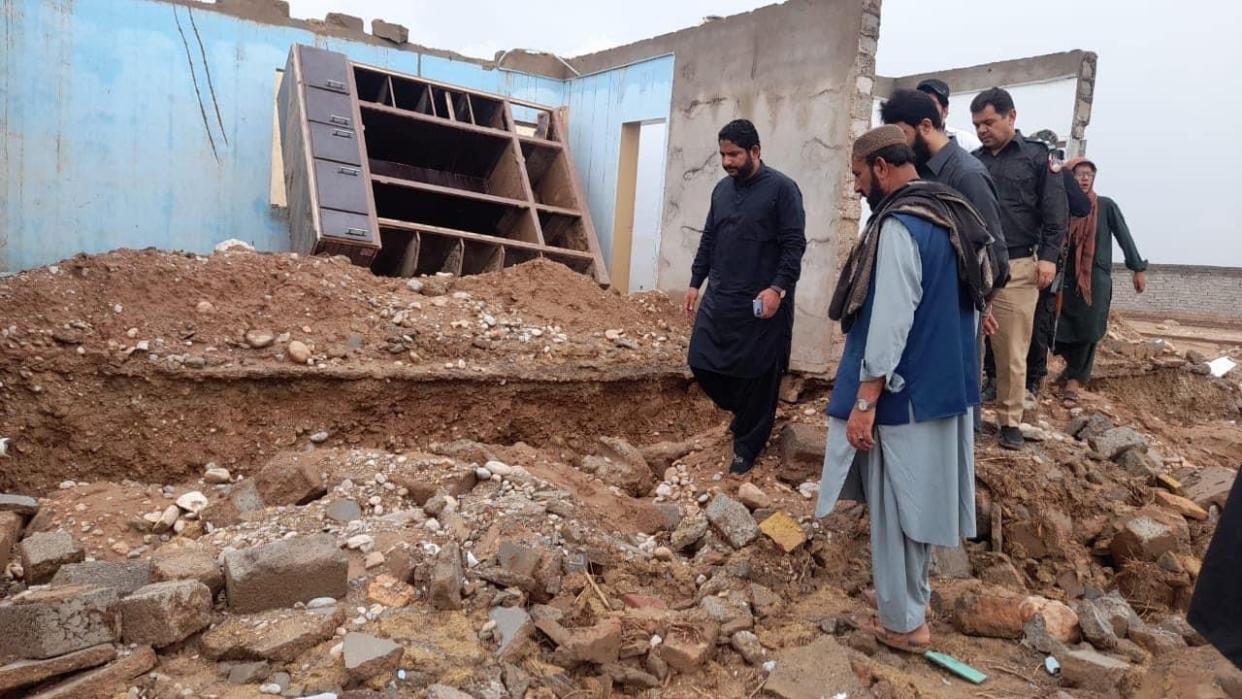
[990, 324]
[1140, 282]
[692, 297]
[859, 429]
[771, 302]
[1044, 273]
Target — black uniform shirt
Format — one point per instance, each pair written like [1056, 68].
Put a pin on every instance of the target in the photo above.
[1034, 209]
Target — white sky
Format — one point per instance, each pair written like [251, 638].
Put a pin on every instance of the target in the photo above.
[1167, 98]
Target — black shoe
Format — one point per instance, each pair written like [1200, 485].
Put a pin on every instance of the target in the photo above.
[988, 395]
[1034, 388]
[740, 465]
[1011, 438]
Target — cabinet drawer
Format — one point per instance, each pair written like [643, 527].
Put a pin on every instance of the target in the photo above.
[341, 187]
[327, 107]
[335, 143]
[346, 226]
[324, 69]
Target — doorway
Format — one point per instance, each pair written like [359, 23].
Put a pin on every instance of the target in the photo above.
[640, 198]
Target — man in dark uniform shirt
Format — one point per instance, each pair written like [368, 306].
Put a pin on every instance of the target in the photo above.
[751, 255]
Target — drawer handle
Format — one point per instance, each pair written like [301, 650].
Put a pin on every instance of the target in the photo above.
[335, 84]
[342, 133]
[356, 232]
[348, 171]
[343, 121]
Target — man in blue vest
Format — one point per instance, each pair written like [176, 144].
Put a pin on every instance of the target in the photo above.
[900, 434]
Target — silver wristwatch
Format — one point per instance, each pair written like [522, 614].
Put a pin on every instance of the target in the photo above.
[864, 405]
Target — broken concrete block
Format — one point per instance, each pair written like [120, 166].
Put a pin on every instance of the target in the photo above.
[188, 561]
[10, 532]
[1142, 538]
[1118, 612]
[748, 646]
[1087, 427]
[731, 614]
[241, 498]
[447, 578]
[951, 562]
[165, 613]
[290, 480]
[278, 635]
[443, 691]
[24, 673]
[619, 463]
[1091, 670]
[732, 520]
[105, 681]
[1182, 506]
[21, 504]
[1114, 442]
[284, 572]
[513, 627]
[1060, 621]
[395, 33]
[753, 497]
[54, 621]
[1210, 486]
[991, 613]
[1096, 626]
[344, 21]
[249, 673]
[343, 511]
[598, 644]
[685, 650]
[1155, 640]
[802, 452]
[784, 530]
[124, 576]
[367, 656]
[813, 671]
[45, 552]
[689, 532]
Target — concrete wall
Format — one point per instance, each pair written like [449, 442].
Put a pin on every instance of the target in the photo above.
[802, 71]
[1182, 292]
[135, 123]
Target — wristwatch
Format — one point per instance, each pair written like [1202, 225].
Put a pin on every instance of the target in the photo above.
[864, 405]
[780, 292]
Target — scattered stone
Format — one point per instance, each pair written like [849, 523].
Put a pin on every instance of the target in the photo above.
[164, 613]
[360, 542]
[389, 592]
[1057, 619]
[513, 626]
[951, 562]
[1142, 538]
[1183, 506]
[802, 452]
[105, 680]
[689, 532]
[752, 497]
[1155, 640]
[123, 576]
[447, 578]
[994, 614]
[193, 501]
[619, 463]
[188, 561]
[732, 520]
[1211, 486]
[731, 614]
[374, 559]
[1118, 612]
[241, 498]
[284, 572]
[10, 532]
[217, 476]
[443, 691]
[290, 480]
[599, 644]
[820, 669]
[278, 635]
[686, 650]
[1085, 428]
[1091, 670]
[1178, 625]
[1114, 442]
[166, 520]
[21, 504]
[24, 673]
[44, 553]
[50, 622]
[367, 656]
[298, 352]
[249, 673]
[343, 511]
[784, 530]
[1096, 626]
[259, 339]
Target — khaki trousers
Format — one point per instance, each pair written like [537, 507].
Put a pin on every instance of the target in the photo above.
[1014, 308]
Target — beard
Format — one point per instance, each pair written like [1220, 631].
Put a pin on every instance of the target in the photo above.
[744, 171]
[875, 195]
[922, 153]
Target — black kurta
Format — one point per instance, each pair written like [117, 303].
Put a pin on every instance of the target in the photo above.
[753, 239]
[1216, 608]
[1085, 324]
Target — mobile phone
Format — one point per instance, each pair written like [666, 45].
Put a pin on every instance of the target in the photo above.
[757, 305]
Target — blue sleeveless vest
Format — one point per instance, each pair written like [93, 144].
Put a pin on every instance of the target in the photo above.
[940, 363]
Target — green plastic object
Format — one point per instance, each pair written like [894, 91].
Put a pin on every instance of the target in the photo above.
[955, 666]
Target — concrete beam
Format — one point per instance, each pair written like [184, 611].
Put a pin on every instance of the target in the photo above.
[1019, 71]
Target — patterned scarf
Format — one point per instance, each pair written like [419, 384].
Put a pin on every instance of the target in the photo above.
[1083, 236]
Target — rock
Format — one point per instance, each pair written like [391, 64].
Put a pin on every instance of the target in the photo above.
[1114, 442]
[233, 244]
[45, 552]
[1095, 625]
[1155, 640]
[752, 497]
[284, 572]
[21, 504]
[517, 558]
[598, 644]
[748, 646]
[802, 452]
[1178, 625]
[784, 530]
[360, 542]
[205, 307]
[389, 591]
[951, 562]
[290, 479]
[50, 622]
[820, 669]
[662, 455]
[24, 673]
[249, 673]
[217, 476]
[1059, 620]
[241, 498]
[447, 578]
[343, 511]
[1091, 670]
[193, 501]
[105, 681]
[278, 635]
[513, 626]
[619, 463]
[320, 437]
[687, 649]
[395, 33]
[689, 532]
[1002, 573]
[732, 520]
[166, 519]
[1211, 486]
[1086, 428]
[10, 532]
[1118, 612]
[1182, 506]
[994, 614]
[123, 576]
[188, 561]
[1142, 538]
[164, 613]
[443, 691]
[298, 352]
[259, 339]
[368, 656]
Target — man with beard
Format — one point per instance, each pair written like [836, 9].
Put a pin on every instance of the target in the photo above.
[751, 255]
[938, 90]
[899, 427]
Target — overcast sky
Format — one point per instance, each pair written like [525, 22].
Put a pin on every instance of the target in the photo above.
[1166, 102]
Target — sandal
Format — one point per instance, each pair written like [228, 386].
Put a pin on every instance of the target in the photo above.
[1069, 399]
[893, 640]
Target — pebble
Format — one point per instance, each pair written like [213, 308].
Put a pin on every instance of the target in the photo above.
[664, 490]
[193, 501]
[66, 485]
[121, 548]
[270, 688]
[204, 307]
[360, 542]
[258, 339]
[319, 437]
[299, 352]
[373, 560]
[808, 489]
[321, 602]
[663, 553]
[216, 475]
[432, 524]
[482, 474]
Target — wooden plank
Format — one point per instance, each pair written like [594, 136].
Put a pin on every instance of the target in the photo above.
[623, 217]
[480, 238]
[558, 210]
[428, 119]
[409, 259]
[524, 177]
[541, 142]
[601, 273]
[449, 191]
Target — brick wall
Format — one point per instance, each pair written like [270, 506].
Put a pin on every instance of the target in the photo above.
[1182, 292]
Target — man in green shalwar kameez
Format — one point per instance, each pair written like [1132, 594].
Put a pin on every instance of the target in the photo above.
[1088, 287]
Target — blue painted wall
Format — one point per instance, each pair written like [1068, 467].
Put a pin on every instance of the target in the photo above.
[135, 123]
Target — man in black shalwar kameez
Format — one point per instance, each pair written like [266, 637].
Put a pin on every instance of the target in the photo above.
[751, 256]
